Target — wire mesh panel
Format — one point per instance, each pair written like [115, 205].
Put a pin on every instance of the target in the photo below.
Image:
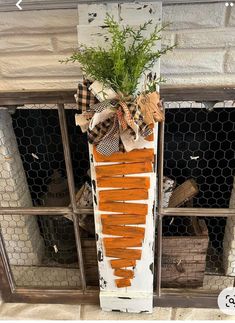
[199, 163]
[42, 250]
[200, 144]
[48, 257]
[39, 140]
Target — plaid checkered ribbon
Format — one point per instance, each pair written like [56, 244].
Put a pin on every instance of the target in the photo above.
[84, 97]
[106, 134]
[110, 141]
[121, 119]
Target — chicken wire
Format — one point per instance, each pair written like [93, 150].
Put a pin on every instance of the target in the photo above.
[189, 132]
[39, 140]
[42, 249]
[199, 144]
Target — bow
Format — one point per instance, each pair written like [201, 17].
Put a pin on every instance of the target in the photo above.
[116, 125]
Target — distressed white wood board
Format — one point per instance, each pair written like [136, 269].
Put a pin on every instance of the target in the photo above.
[125, 13]
[139, 296]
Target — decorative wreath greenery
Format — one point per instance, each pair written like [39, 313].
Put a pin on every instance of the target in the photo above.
[129, 55]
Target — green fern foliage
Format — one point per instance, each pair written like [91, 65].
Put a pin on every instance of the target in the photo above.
[129, 55]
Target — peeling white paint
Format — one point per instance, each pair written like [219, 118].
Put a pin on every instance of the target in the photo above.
[139, 296]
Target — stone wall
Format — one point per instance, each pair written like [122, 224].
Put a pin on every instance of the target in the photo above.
[33, 42]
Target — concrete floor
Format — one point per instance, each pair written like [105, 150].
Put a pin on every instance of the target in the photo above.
[22, 311]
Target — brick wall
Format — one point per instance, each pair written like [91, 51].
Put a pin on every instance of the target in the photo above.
[32, 42]
[205, 37]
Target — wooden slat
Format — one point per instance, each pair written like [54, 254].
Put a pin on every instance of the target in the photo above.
[206, 93]
[123, 282]
[124, 231]
[124, 169]
[183, 193]
[125, 273]
[122, 242]
[169, 93]
[123, 195]
[140, 155]
[124, 182]
[120, 219]
[150, 138]
[122, 263]
[37, 97]
[124, 253]
[128, 208]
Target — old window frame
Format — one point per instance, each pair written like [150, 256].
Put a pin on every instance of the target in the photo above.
[162, 297]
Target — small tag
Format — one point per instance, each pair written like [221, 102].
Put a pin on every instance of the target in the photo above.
[151, 107]
[101, 92]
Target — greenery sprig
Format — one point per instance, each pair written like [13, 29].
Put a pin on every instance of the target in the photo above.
[129, 55]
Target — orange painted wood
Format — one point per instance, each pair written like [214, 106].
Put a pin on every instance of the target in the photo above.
[124, 182]
[119, 219]
[123, 231]
[123, 195]
[124, 253]
[136, 155]
[128, 208]
[122, 242]
[122, 263]
[123, 282]
[150, 138]
[124, 169]
[125, 273]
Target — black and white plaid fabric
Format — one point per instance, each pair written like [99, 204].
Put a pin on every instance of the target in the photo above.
[84, 97]
[110, 141]
[144, 129]
[100, 130]
[99, 107]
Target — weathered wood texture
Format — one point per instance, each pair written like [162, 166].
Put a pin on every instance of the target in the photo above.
[121, 242]
[124, 253]
[140, 155]
[131, 173]
[127, 208]
[124, 169]
[124, 231]
[89, 253]
[120, 219]
[168, 93]
[183, 193]
[126, 195]
[184, 258]
[4, 284]
[123, 282]
[124, 182]
[126, 273]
